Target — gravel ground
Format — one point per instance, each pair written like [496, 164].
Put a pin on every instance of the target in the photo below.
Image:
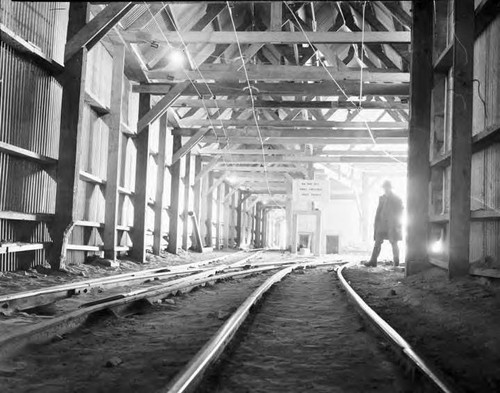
[454, 324]
[306, 337]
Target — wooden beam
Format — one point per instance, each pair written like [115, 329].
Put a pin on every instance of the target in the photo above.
[262, 72]
[206, 169]
[94, 30]
[298, 153]
[175, 173]
[209, 213]
[260, 169]
[29, 155]
[70, 140]
[192, 142]
[187, 192]
[197, 188]
[243, 103]
[113, 170]
[272, 37]
[325, 88]
[161, 107]
[461, 149]
[138, 236]
[312, 140]
[313, 159]
[160, 186]
[295, 123]
[485, 13]
[301, 133]
[218, 227]
[276, 15]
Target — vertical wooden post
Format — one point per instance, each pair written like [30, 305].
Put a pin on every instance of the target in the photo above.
[219, 216]
[175, 172]
[138, 251]
[258, 225]
[461, 148]
[239, 233]
[227, 215]
[114, 154]
[68, 165]
[419, 137]
[187, 192]
[160, 185]
[197, 188]
[209, 203]
[265, 230]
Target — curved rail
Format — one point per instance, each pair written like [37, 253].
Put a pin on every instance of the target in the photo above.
[394, 336]
[194, 370]
[37, 297]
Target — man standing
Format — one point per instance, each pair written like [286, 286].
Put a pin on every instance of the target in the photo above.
[387, 224]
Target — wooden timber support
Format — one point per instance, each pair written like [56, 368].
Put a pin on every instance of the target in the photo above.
[114, 155]
[242, 197]
[138, 235]
[218, 228]
[175, 173]
[68, 165]
[419, 138]
[187, 197]
[197, 189]
[159, 207]
[209, 211]
[461, 131]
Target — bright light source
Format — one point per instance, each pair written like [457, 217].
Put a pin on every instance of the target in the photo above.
[437, 247]
[176, 59]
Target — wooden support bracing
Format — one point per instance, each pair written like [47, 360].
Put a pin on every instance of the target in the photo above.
[175, 173]
[160, 186]
[138, 235]
[93, 31]
[115, 137]
[192, 142]
[187, 196]
[419, 138]
[68, 166]
[162, 106]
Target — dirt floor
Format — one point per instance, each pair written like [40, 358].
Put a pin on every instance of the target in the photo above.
[140, 353]
[42, 276]
[454, 324]
[306, 337]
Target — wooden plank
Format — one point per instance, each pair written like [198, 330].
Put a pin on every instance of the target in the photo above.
[280, 73]
[218, 226]
[261, 169]
[26, 154]
[18, 216]
[197, 187]
[161, 107]
[276, 15]
[96, 105]
[187, 196]
[175, 173]
[309, 159]
[192, 142]
[298, 133]
[319, 89]
[461, 151]
[209, 212]
[98, 27]
[113, 172]
[206, 169]
[298, 153]
[70, 140]
[31, 51]
[160, 186]
[90, 178]
[138, 236]
[311, 140]
[294, 123]
[268, 37]
[292, 104]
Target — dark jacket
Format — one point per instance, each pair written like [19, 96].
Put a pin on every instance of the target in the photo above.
[388, 218]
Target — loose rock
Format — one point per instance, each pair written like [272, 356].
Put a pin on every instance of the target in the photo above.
[114, 361]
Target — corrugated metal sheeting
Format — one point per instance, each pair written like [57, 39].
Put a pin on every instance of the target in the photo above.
[30, 112]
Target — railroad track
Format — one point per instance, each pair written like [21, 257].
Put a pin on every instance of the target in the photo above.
[300, 338]
[70, 305]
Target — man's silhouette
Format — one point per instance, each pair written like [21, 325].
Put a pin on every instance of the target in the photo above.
[387, 224]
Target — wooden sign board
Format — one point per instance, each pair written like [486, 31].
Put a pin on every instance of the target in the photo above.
[311, 190]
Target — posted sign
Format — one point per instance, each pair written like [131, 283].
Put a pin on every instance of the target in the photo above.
[311, 190]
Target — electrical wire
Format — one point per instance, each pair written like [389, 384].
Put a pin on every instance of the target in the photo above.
[357, 107]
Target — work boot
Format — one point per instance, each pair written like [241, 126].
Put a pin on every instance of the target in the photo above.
[371, 264]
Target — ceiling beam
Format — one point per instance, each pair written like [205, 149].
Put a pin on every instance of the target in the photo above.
[271, 37]
[279, 73]
[292, 104]
[313, 141]
[326, 88]
[296, 153]
[246, 160]
[294, 123]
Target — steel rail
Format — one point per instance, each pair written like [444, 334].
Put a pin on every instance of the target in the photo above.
[187, 379]
[42, 296]
[59, 325]
[394, 336]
